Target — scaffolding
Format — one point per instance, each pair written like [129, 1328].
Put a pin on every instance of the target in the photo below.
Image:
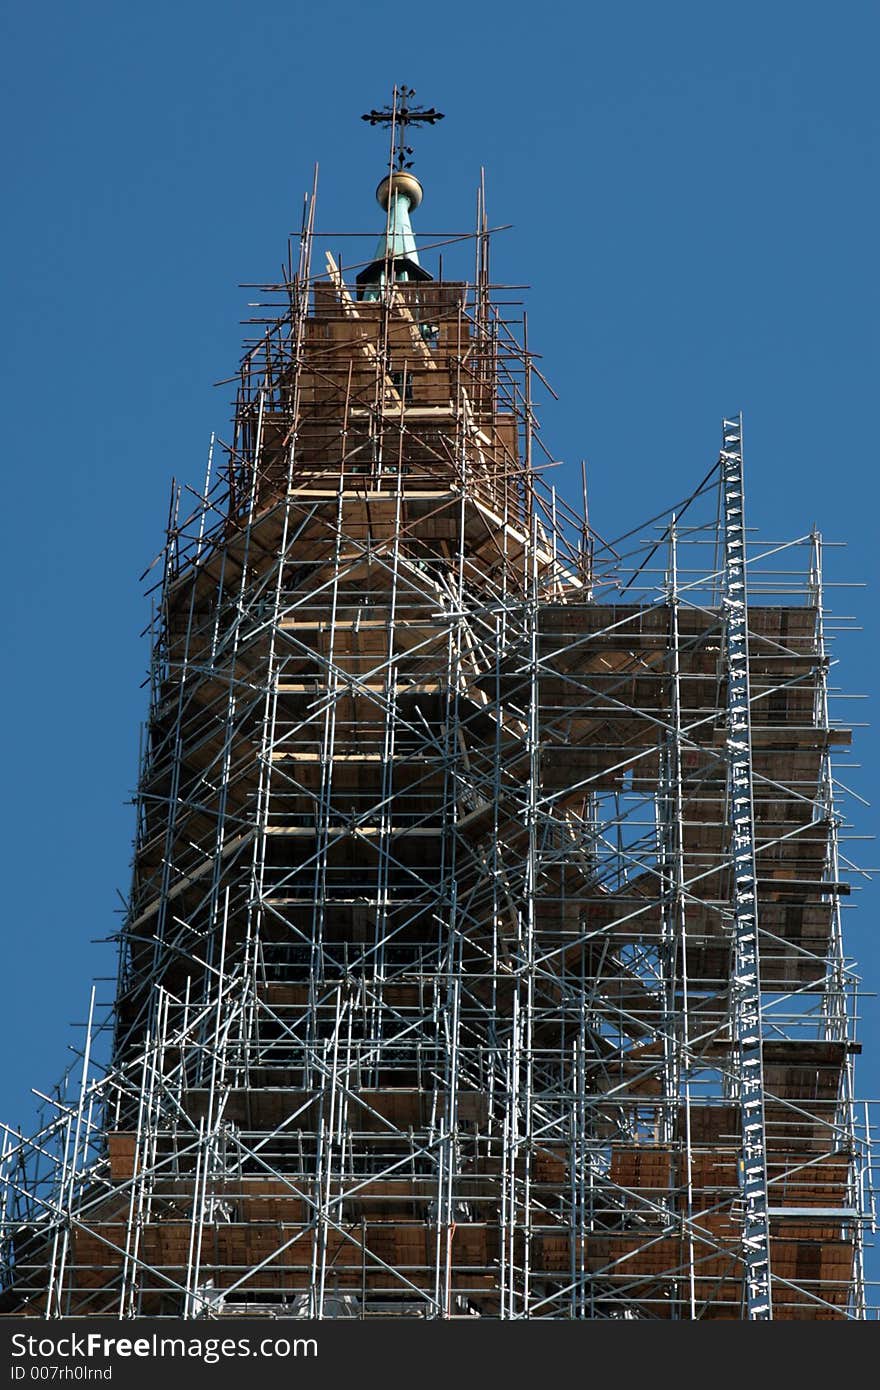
[484, 952]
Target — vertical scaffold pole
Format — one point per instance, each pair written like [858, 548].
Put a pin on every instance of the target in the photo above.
[746, 983]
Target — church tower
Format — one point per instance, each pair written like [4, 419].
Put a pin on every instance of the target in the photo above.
[484, 953]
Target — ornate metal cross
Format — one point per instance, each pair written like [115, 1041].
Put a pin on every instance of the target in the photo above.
[398, 116]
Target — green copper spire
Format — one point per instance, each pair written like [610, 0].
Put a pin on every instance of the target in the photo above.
[399, 194]
[406, 194]
[396, 252]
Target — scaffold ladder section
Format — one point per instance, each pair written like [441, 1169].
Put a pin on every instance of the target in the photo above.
[746, 984]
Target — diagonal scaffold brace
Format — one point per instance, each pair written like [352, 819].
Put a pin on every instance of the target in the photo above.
[746, 983]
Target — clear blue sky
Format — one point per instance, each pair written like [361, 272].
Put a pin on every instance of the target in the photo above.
[694, 193]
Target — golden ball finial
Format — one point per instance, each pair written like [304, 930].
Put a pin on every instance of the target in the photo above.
[401, 181]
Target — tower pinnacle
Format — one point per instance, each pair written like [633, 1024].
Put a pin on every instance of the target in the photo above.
[399, 193]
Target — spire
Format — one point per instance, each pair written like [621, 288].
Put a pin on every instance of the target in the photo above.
[396, 253]
[399, 194]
